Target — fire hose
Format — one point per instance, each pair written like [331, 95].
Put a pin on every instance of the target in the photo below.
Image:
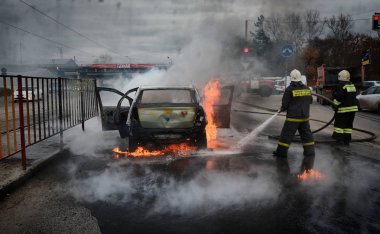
[371, 137]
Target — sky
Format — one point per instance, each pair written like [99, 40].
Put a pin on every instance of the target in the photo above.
[143, 31]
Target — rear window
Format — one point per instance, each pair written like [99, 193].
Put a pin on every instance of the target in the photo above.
[167, 96]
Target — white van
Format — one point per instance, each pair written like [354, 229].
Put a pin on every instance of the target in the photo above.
[281, 85]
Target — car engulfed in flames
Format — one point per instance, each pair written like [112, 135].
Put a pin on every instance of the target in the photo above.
[165, 120]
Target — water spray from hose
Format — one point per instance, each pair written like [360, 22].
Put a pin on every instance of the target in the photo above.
[251, 137]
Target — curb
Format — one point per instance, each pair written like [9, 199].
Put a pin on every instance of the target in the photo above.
[30, 171]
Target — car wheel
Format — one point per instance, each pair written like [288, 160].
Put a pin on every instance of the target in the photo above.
[202, 141]
[132, 144]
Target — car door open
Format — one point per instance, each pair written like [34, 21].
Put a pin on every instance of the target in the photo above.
[113, 118]
[222, 108]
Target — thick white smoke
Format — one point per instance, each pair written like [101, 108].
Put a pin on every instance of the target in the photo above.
[93, 142]
[199, 61]
[207, 192]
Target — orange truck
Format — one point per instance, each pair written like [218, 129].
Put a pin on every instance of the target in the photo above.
[327, 80]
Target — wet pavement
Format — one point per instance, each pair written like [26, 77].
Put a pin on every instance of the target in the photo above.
[230, 194]
[242, 190]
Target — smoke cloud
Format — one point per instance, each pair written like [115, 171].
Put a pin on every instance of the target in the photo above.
[207, 192]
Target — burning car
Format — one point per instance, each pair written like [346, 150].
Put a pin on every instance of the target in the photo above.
[157, 116]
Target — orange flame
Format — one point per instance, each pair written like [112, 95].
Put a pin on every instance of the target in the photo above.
[310, 175]
[211, 93]
[182, 149]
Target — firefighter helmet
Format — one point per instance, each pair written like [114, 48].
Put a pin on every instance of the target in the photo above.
[344, 75]
[295, 75]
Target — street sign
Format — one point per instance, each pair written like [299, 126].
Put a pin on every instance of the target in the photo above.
[246, 62]
[245, 65]
[366, 57]
[287, 50]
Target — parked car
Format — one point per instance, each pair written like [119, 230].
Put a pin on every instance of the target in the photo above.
[369, 83]
[30, 93]
[370, 99]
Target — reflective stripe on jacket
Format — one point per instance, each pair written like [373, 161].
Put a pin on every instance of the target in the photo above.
[345, 97]
[296, 101]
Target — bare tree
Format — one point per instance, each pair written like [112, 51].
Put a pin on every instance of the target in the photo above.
[273, 25]
[313, 24]
[340, 26]
[295, 32]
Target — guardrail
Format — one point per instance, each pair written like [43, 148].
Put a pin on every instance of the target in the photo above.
[33, 109]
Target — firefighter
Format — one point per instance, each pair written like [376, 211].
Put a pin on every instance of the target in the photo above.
[344, 97]
[296, 101]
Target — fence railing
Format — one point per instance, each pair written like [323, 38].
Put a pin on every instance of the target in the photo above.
[33, 109]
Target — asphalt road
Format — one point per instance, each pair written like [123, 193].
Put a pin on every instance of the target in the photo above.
[228, 190]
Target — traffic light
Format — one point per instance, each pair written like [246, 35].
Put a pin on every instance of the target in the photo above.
[375, 21]
[246, 50]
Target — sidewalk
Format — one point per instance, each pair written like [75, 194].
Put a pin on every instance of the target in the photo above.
[11, 172]
[39, 155]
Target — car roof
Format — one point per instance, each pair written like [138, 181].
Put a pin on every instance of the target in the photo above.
[148, 87]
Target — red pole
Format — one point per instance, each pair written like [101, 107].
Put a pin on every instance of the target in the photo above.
[21, 116]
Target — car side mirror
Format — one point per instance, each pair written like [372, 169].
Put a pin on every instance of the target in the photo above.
[364, 93]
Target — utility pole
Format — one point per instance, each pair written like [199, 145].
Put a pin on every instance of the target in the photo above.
[246, 31]
[20, 53]
[61, 52]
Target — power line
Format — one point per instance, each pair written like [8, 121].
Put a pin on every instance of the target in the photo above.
[373, 11]
[44, 38]
[316, 21]
[68, 28]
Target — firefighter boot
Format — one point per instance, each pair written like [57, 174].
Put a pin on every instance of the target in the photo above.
[281, 152]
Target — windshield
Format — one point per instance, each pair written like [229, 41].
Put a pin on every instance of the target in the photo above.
[167, 96]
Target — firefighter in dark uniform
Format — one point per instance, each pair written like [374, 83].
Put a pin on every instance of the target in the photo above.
[345, 99]
[296, 101]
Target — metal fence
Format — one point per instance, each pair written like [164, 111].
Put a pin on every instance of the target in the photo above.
[33, 109]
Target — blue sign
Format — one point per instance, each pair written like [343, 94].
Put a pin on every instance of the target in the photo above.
[287, 50]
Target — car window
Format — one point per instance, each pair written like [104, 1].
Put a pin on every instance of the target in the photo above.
[167, 96]
[377, 90]
[371, 90]
[24, 89]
